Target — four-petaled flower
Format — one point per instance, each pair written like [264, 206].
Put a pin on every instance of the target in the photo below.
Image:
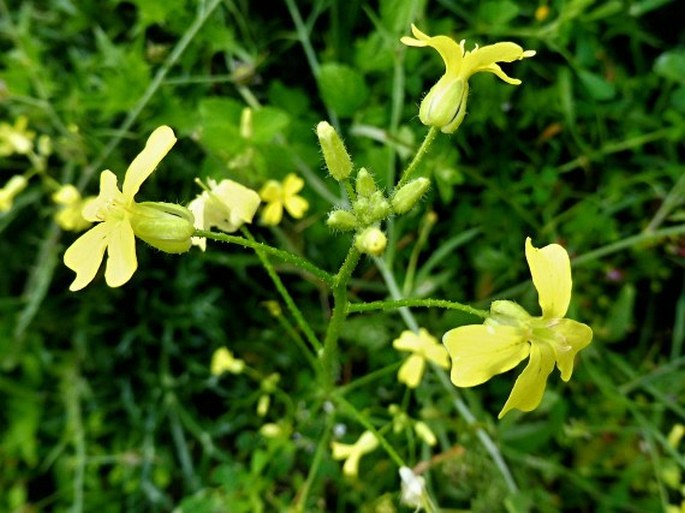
[163, 225]
[278, 195]
[352, 453]
[16, 138]
[445, 104]
[424, 347]
[510, 335]
[226, 205]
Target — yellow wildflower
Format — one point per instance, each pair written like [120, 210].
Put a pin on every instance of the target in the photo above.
[224, 361]
[352, 453]
[16, 138]
[424, 347]
[445, 104]
[12, 188]
[279, 195]
[70, 215]
[163, 225]
[510, 335]
[226, 205]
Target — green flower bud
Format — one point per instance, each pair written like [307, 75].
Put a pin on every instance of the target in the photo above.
[371, 241]
[365, 185]
[445, 104]
[408, 195]
[343, 220]
[370, 210]
[508, 313]
[165, 226]
[337, 159]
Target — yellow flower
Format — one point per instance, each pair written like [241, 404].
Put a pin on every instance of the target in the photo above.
[510, 335]
[279, 195]
[424, 347]
[445, 104]
[12, 188]
[70, 215]
[16, 138]
[165, 226]
[224, 361]
[352, 453]
[226, 205]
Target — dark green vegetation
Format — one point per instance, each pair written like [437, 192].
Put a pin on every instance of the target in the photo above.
[106, 399]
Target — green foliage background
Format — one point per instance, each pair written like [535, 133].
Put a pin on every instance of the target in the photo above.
[106, 400]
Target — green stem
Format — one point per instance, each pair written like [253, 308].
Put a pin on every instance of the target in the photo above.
[425, 303]
[287, 298]
[301, 503]
[423, 149]
[340, 304]
[359, 417]
[299, 341]
[286, 256]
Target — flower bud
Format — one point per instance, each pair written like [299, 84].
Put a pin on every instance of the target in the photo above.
[508, 313]
[370, 210]
[12, 188]
[165, 226]
[425, 433]
[371, 241]
[408, 195]
[337, 159]
[342, 220]
[365, 183]
[444, 106]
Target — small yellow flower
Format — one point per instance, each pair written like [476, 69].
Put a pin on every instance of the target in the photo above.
[165, 226]
[16, 138]
[70, 215]
[352, 453]
[226, 205]
[224, 361]
[424, 347]
[12, 188]
[279, 195]
[510, 335]
[445, 104]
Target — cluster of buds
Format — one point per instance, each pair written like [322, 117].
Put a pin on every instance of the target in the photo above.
[369, 205]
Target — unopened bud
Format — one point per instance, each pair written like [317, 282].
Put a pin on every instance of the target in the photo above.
[337, 159]
[425, 433]
[165, 226]
[342, 220]
[408, 195]
[365, 184]
[371, 241]
[246, 123]
[372, 209]
[12, 188]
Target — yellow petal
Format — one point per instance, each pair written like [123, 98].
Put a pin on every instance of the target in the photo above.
[110, 194]
[341, 451]
[292, 184]
[572, 336]
[271, 191]
[550, 268]
[121, 255]
[84, 256]
[233, 204]
[157, 146]
[411, 371]
[438, 355]
[296, 206]
[272, 213]
[407, 341]
[530, 385]
[479, 352]
[484, 59]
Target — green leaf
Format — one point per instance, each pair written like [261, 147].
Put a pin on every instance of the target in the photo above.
[671, 65]
[598, 87]
[343, 88]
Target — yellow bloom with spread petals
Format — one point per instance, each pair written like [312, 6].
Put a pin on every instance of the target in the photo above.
[511, 335]
[226, 205]
[352, 453]
[444, 106]
[279, 195]
[70, 215]
[423, 347]
[16, 138]
[163, 225]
